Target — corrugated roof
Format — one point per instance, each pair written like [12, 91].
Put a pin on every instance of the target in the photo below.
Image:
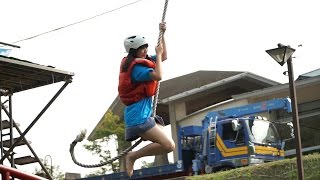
[19, 75]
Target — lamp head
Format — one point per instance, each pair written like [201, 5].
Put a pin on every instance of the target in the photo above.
[281, 54]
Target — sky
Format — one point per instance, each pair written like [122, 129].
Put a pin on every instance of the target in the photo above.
[227, 35]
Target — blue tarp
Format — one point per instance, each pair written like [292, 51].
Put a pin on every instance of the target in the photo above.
[4, 52]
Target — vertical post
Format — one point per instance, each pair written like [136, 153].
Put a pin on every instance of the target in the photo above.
[6, 176]
[295, 119]
[1, 128]
[11, 130]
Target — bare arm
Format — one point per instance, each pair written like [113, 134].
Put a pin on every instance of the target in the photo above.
[164, 54]
[161, 55]
[156, 75]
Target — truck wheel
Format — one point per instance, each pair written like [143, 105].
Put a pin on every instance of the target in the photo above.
[225, 168]
[208, 169]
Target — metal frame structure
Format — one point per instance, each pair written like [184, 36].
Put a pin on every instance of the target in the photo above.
[15, 76]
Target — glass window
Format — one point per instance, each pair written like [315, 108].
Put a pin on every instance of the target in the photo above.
[263, 132]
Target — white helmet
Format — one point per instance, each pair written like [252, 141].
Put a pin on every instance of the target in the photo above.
[134, 42]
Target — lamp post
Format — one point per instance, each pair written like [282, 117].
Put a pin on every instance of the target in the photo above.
[282, 55]
[45, 160]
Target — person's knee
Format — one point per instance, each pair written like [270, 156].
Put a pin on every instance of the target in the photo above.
[169, 146]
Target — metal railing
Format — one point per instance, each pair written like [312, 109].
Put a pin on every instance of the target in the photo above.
[8, 173]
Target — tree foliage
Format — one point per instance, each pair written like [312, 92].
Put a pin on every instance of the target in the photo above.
[146, 164]
[111, 128]
[52, 169]
[98, 147]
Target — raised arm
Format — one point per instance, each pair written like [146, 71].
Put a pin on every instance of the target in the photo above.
[163, 27]
[156, 75]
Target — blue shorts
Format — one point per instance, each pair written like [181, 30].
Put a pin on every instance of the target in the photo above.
[132, 133]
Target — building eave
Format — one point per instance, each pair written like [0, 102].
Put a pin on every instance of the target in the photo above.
[216, 84]
[279, 88]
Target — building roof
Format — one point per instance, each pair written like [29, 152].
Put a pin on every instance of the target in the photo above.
[310, 74]
[202, 81]
[307, 80]
[19, 75]
[217, 86]
[191, 81]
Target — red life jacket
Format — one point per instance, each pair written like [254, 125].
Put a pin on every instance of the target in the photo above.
[130, 92]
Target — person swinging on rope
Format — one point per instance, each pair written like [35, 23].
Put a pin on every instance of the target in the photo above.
[139, 74]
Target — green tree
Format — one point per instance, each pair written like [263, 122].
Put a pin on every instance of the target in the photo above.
[54, 171]
[146, 164]
[111, 128]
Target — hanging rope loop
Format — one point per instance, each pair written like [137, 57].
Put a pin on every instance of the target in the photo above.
[80, 138]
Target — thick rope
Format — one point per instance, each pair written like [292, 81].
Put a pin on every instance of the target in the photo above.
[82, 135]
[80, 138]
[155, 98]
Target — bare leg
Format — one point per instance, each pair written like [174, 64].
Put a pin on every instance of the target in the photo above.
[161, 144]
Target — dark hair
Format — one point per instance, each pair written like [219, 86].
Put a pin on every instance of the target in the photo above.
[131, 56]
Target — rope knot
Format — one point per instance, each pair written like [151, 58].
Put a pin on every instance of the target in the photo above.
[81, 136]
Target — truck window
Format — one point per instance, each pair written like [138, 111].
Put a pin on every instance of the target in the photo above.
[227, 132]
[263, 132]
[230, 135]
[191, 143]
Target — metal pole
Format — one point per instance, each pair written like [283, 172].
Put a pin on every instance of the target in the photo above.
[295, 118]
[11, 130]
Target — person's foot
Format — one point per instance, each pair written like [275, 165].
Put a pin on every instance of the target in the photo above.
[129, 163]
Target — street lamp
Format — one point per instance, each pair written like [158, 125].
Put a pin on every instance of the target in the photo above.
[45, 161]
[282, 55]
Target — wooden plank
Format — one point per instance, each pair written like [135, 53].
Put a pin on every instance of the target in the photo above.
[25, 160]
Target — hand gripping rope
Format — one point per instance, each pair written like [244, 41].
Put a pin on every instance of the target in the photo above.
[82, 135]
